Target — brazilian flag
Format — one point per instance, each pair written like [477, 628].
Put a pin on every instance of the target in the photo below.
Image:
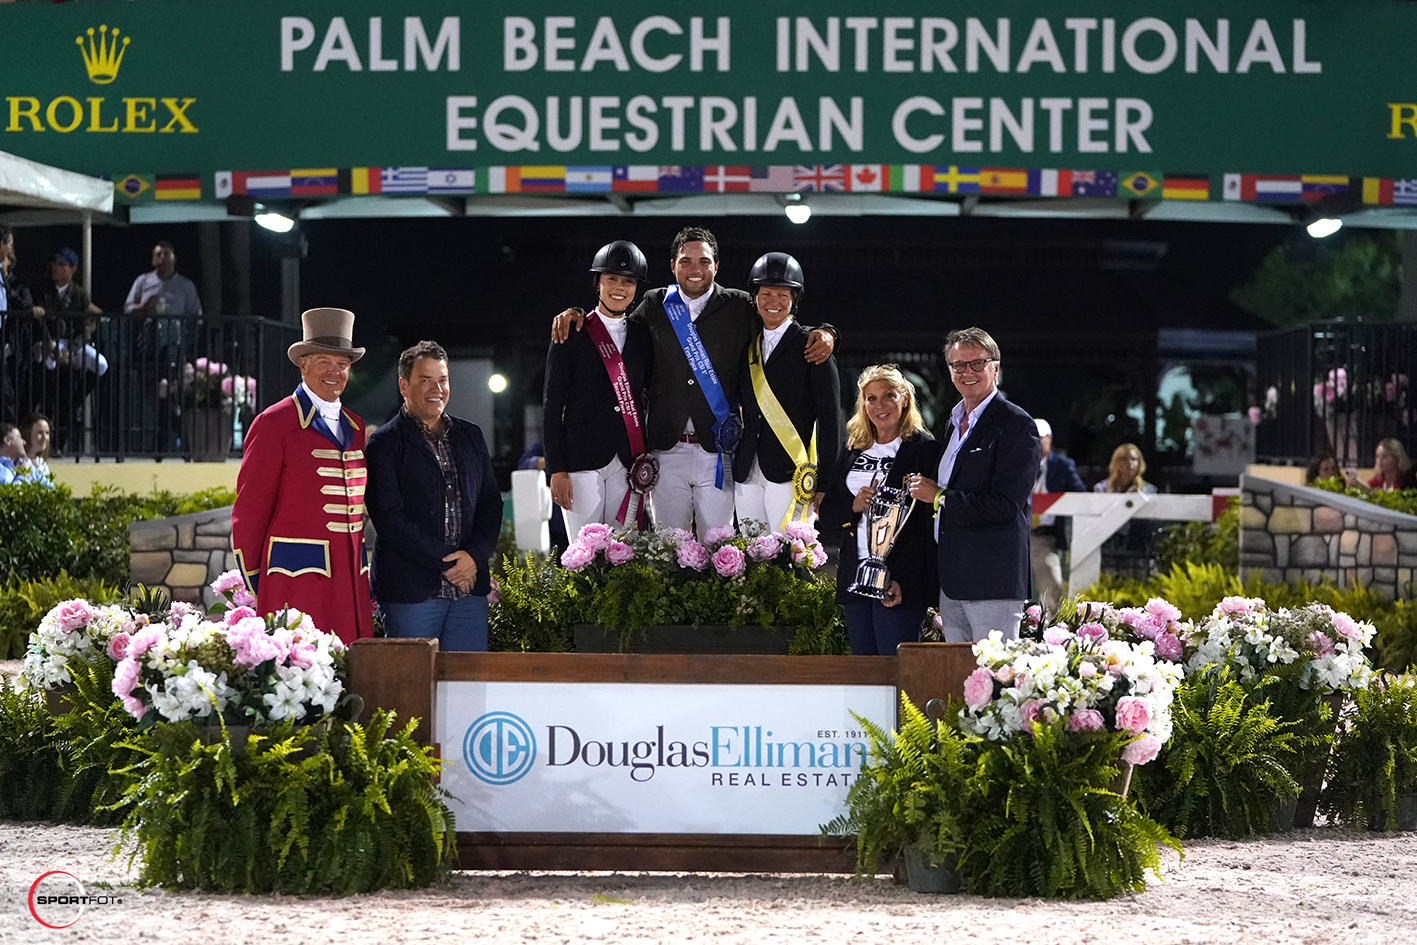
[1140, 185]
[133, 187]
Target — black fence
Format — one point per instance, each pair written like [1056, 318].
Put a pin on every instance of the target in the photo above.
[131, 386]
[1335, 387]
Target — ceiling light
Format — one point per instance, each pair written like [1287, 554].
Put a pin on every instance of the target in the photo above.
[275, 222]
[496, 383]
[1325, 227]
[798, 212]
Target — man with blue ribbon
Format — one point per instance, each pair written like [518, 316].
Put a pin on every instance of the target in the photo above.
[701, 333]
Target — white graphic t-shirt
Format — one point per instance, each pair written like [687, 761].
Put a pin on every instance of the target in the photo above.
[874, 463]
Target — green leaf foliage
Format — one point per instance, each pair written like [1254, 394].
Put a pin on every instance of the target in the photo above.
[1044, 821]
[1353, 279]
[325, 809]
[1217, 542]
[1227, 768]
[1375, 759]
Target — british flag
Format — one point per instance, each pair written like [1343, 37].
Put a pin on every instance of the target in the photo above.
[818, 178]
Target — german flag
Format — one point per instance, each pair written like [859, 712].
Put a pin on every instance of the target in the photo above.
[361, 180]
[178, 187]
[1185, 187]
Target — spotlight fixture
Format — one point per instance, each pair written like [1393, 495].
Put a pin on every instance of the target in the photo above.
[496, 383]
[1325, 226]
[795, 206]
[275, 222]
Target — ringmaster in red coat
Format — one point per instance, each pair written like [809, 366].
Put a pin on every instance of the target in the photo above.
[298, 524]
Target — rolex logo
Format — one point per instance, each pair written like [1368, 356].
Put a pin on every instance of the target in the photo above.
[103, 57]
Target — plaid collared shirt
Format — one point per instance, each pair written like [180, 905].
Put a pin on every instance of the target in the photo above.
[442, 444]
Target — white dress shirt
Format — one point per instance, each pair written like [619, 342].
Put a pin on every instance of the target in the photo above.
[956, 443]
[617, 326]
[771, 336]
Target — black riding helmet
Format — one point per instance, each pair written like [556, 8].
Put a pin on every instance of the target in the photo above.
[779, 269]
[622, 258]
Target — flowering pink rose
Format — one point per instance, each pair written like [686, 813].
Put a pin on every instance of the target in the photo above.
[577, 555]
[1086, 720]
[118, 646]
[1132, 714]
[1030, 710]
[1321, 643]
[1034, 615]
[728, 561]
[1142, 750]
[596, 536]
[494, 594]
[719, 534]
[801, 531]
[617, 552]
[1233, 605]
[1168, 647]
[215, 367]
[1057, 636]
[1164, 609]
[73, 615]
[691, 554]
[979, 688]
[764, 547]
[237, 614]
[1092, 633]
[302, 655]
[1004, 674]
[227, 581]
[1347, 627]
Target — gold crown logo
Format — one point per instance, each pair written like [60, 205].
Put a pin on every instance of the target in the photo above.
[102, 58]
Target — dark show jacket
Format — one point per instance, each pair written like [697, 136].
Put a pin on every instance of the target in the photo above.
[581, 422]
[725, 326]
[1060, 474]
[986, 508]
[912, 560]
[405, 500]
[809, 394]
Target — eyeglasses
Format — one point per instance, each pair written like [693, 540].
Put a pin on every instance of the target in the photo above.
[977, 365]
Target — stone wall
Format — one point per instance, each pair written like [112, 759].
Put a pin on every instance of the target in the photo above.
[184, 553]
[1292, 533]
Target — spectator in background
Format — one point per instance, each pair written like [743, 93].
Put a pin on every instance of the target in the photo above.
[1393, 469]
[1056, 473]
[12, 453]
[1124, 472]
[163, 291]
[59, 293]
[14, 334]
[14, 297]
[34, 430]
[1322, 466]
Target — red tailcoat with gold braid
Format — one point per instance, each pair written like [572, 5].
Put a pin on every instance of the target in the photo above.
[298, 524]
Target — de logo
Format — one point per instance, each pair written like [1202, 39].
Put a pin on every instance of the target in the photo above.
[499, 748]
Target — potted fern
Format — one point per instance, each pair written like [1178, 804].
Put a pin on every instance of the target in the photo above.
[1372, 779]
[910, 797]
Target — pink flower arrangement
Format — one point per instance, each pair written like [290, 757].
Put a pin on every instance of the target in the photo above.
[1057, 636]
[596, 536]
[242, 597]
[691, 554]
[1235, 605]
[979, 688]
[1132, 714]
[1142, 751]
[1032, 711]
[719, 534]
[252, 645]
[617, 553]
[800, 531]
[577, 555]
[1086, 720]
[1321, 642]
[494, 593]
[1033, 615]
[1347, 627]
[73, 615]
[764, 547]
[236, 614]
[118, 646]
[228, 582]
[1168, 647]
[728, 561]
[1092, 632]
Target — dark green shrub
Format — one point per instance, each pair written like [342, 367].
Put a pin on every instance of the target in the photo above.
[24, 603]
[1375, 760]
[1217, 542]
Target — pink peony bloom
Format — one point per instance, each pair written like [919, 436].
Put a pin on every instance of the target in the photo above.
[577, 555]
[1131, 616]
[118, 646]
[801, 531]
[201, 364]
[1132, 714]
[728, 561]
[228, 383]
[73, 615]
[237, 614]
[1057, 636]
[494, 593]
[1034, 615]
[979, 689]
[1168, 647]
[1086, 720]
[243, 598]
[1164, 609]
[1004, 674]
[1347, 627]
[1321, 643]
[617, 552]
[144, 640]
[691, 554]
[228, 581]
[1086, 669]
[764, 547]
[1142, 750]
[819, 555]
[302, 655]
[179, 609]
[125, 676]
[596, 536]
[252, 645]
[1031, 711]
[1092, 633]
[719, 534]
[1233, 605]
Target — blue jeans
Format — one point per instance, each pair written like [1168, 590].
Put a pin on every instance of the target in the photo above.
[876, 630]
[456, 624]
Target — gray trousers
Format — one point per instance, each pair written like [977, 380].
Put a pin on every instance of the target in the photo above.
[969, 621]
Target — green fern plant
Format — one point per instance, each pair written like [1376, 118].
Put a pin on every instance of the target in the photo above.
[29, 760]
[1375, 761]
[1227, 768]
[911, 791]
[1043, 820]
[89, 740]
[329, 810]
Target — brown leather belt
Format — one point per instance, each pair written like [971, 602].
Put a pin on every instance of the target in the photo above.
[688, 438]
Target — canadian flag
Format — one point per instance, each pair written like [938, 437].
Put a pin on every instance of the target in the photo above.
[866, 177]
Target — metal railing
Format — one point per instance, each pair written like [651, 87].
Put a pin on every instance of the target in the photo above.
[132, 386]
[1336, 387]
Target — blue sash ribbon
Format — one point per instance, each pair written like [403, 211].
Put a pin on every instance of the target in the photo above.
[705, 376]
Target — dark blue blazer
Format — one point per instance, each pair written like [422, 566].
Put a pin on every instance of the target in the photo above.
[1060, 474]
[986, 509]
[405, 500]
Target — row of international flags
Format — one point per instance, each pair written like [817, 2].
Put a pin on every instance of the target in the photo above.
[781, 178]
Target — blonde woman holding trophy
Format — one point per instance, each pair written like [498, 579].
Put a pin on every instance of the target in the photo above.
[887, 574]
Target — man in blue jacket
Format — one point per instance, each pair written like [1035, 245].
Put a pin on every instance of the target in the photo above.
[437, 511]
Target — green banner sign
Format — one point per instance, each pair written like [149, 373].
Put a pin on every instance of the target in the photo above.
[1283, 100]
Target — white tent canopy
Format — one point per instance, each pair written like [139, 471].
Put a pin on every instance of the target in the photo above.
[25, 183]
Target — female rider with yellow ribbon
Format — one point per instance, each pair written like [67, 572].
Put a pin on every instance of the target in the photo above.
[791, 407]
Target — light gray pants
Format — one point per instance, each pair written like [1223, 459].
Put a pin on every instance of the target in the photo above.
[969, 621]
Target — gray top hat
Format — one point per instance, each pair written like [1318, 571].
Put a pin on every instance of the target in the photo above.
[327, 331]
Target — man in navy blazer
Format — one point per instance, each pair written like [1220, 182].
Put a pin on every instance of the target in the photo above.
[1056, 473]
[981, 497]
[437, 511]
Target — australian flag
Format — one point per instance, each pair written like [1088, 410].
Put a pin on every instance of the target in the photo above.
[1094, 184]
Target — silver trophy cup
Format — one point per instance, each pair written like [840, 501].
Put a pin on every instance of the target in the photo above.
[885, 517]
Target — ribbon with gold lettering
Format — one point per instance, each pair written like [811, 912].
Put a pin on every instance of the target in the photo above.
[804, 477]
